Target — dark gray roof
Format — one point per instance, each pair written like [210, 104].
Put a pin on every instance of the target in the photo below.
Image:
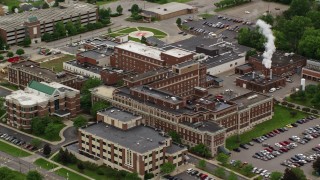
[186, 63]
[204, 126]
[118, 114]
[86, 66]
[259, 79]
[215, 78]
[247, 99]
[174, 148]
[280, 58]
[244, 67]
[155, 41]
[95, 54]
[140, 138]
[148, 74]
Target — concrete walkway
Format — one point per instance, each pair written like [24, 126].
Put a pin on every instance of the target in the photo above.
[6, 88]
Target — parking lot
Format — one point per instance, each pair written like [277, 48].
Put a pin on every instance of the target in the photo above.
[14, 138]
[275, 164]
[4, 92]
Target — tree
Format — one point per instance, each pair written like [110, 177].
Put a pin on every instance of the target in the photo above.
[50, 131]
[59, 29]
[276, 175]
[10, 54]
[223, 158]
[268, 18]
[34, 175]
[252, 38]
[298, 8]
[35, 142]
[167, 168]
[237, 163]
[45, 6]
[294, 173]
[71, 28]
[20, 52]
[175, 136]
[56, 3]
[178, 21]
[46, 149]
[148, 176]
[1, 57]
[2, 44]
[220, 172]
[232, 176]
[143, 40]
[46, 37]
[309, 44]
[201, 150]
[38, 125]
[79, 122]
[6, 174]
[135, 9]
[80, 166]
[132, 176]
[119, 9]
[316, 100]
[90, 84]
[316, 165]
[26, 41]
[202, 164]
[98, 106]
[247, 169]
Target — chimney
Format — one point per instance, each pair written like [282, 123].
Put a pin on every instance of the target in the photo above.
[270, 74]
[253, 74]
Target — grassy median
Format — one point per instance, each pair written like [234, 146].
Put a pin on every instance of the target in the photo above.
[69, 174]
[13, 151]
[281, 118]
[44, 164]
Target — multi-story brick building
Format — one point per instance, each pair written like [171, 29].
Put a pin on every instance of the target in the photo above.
[41, 99]
[311, 71]
[141, 58]
[283, 64]
[197, 121]
[14, 28]
[23, 72]
[121, 141]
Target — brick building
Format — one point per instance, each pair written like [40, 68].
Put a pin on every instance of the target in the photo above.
[23, 72]
[15, 27]
[283, 64]
[121, 141]
[41, 99]
[197, 121]
[141, 58]
[311, 71]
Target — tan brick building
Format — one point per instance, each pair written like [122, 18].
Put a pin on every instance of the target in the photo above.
[41, 99]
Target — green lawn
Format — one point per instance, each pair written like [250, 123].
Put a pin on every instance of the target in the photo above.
[238, 170]
[134, 39]
[102, 2]
[9, 86]
[71, 175]
[57, 64]
[10, 3]
[127, 31]
[16, 175]
[281, 118]
[13, 151]
[307, 102]
[206, 15]
[156, 32]
[57, 129]
[45, 164]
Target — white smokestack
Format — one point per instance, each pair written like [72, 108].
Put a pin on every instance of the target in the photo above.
[253, 75]
[303, 84]
[270, 73]
[270, 48]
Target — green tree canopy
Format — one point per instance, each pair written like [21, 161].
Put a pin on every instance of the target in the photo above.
[89, 84]
[202, 164]
[309, 45]
[201, 150]
[247, 169]
[316, 165]
[223, 158]
[298, 8]
[79, 121]
[20, 52]
[294, 173]
[119, 9]
[71, 28]
[268, 18]
[167, 168]
[276, 175]
[220, 172]
[50, 131]
[178, 22]
[38, 125]
[6, 174]
[251, 38]
[175, 137]
[232, 176]
[10, 54]
[98, 106]
[46, 149]
[59, 29]
[34, 175]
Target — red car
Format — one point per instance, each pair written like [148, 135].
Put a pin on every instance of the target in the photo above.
[267, 149]
[276, 131]
[286, 142]
[282, 143]
[203, 176]
[284, 149]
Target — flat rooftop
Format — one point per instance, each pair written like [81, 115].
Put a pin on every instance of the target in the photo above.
[158, 94]
[186, 63]
[280, 58]
[244, 67]
[174, 148]
[102, 42]
[147, 74]
[27, 98]
[140, 139]
[250, 98]
[12, 21]
[86, 66]
[142, 49]
[104, 91]
[168, 8]
[204, 126]
[260, 79]
[118, 114]
[96, 54]
[32, 68]
[178, 53]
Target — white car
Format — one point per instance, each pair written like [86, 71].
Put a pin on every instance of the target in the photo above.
[189, 170]
[247, 12]
[272, 90]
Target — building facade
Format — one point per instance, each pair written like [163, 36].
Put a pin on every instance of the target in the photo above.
[23, 72]
[39, 100]
[15, 27]
[121, 141]
[311, 71]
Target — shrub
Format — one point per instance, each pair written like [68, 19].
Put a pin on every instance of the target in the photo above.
[90, 166]
[314, 111]
[284, 103]
[291, 105]
[298, 107]
[306, 109]
[100, 171]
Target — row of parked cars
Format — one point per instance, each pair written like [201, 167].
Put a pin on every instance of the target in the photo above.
[263, 172]
[299, 160]
[271, 152]
[17, 141]
[198, 174]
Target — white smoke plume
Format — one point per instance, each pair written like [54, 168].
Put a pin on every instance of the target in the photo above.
[270, 48]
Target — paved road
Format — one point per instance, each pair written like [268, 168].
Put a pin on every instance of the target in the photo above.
[210, 166]
[24, 166]
[274, 164]
[4, 92]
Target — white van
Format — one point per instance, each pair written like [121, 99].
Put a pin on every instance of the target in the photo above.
[272, 90]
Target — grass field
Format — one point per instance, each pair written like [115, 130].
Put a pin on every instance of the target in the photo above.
[44, 164]
[206, 15]
[156, 32]
[102, 2]
[68, 174]
[15, 174]
[13, 151]
[10, 3]
[281, 118]
[57, 129]
[127, 31]
[57, 64]
[9, 86]
[307, 102]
